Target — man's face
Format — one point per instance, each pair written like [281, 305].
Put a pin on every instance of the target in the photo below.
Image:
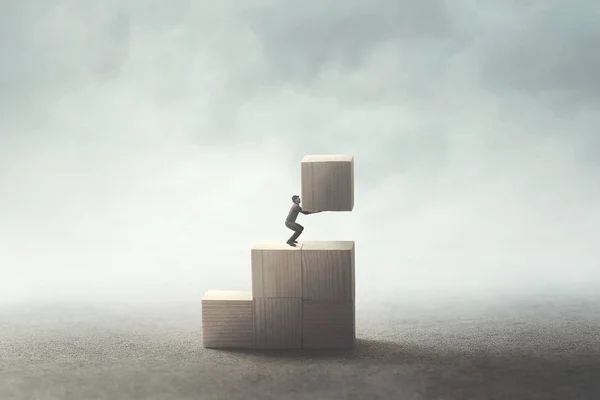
[298, 200]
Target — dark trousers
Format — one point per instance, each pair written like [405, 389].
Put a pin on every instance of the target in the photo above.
[297, 228]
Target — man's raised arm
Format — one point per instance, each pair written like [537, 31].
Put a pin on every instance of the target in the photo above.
[309, 212]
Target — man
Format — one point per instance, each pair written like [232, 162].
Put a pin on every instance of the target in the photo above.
[291, 223]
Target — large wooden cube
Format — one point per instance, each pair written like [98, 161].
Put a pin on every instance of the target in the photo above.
[328, 271]
[276, 270]
[328, 325]
[227, 319]
[278, 323]
[328, 182]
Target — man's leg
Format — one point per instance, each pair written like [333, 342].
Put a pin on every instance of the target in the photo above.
[298, 231]
[297, 228]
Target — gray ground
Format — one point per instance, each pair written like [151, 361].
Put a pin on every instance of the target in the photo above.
[530, 350]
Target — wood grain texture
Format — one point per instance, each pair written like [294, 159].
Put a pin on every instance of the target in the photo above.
[227, 319]
[327, 182]
[276, 270]
[278, 323]
[328, 271]
[328, 325]
[306, 186]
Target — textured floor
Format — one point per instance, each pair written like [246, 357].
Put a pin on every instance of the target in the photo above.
[543, 350]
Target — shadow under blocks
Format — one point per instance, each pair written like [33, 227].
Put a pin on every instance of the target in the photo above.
[302, 297]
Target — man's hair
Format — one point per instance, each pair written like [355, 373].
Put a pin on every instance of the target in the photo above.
[294, 197]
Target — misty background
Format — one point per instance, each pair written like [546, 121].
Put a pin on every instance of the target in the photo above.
[145, 146]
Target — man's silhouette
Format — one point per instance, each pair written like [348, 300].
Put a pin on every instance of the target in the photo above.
[291, 223]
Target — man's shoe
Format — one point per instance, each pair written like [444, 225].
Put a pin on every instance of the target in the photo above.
[291, 243]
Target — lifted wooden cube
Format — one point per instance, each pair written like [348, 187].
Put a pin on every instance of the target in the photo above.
[327, 182]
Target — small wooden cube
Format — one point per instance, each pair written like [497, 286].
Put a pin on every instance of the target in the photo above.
[328, 325]
[278, 323]
[328, 182]
[227, 319]
[328, 270]
[276, 270]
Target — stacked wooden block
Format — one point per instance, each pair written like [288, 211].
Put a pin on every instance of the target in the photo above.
[227, 319]
[303, 296]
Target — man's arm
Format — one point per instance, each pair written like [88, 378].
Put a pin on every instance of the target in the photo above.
[309, 212]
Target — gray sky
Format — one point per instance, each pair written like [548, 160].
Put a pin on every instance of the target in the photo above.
[146, 145]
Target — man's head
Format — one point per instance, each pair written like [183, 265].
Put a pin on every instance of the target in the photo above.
[296, 199]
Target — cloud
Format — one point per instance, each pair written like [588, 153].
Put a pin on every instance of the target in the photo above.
[549, 50]
[299, 41]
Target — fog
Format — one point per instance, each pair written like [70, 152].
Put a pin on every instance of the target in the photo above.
[145, 146]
